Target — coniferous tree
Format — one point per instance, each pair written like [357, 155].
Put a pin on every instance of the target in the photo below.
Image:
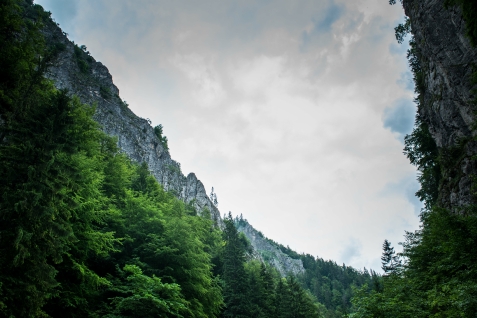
[300, 303]
[234, 276]
[282, 302]
[389, 260]
[268, 291]
[439, 277]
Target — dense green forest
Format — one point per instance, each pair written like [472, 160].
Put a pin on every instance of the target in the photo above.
[436, 274]
[85, 232]
[330, 284]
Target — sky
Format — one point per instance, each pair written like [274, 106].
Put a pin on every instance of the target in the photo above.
[294, 111]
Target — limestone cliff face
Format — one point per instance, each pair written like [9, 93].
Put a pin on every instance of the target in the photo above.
[93, 84]
[268, 251]
[447, 58]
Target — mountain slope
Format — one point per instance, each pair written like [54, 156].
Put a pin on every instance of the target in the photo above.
[79, 73]
[91, 81]
[269, 251]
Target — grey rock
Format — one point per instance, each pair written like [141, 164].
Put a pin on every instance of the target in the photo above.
[135, 136]
[447, 58]
[269, 251]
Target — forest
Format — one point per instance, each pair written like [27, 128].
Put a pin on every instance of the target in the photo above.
[86, 232]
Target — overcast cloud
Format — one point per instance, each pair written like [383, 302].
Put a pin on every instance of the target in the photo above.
[295, 111]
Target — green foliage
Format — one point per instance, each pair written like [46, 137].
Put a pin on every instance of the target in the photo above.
[261, 286]
[82, 59]
[51, 202]
[100, 212]
[469, 13]
[439, 275]
[163, 139]
[443, 262]
[252, 289]
[105, 92]
[74, 209]
[47, 145]
[328, 283]
[144, 296]
[391, 263]
[22, 68]
[87, 233]
[421, 150]
[402, 30]
[397, 300]
[164, 240]
[331, 284]
[234, 274]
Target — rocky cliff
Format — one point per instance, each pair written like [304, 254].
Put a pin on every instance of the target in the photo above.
[268, 251]
[447, 105]
[79, 73]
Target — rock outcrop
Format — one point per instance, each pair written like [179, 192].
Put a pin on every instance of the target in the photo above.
[83, 76]
[79, 73]
[448, 60]
[269, 251]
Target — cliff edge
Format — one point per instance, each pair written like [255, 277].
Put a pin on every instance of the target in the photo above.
[447, 94]
[269, 251]
[79, 73]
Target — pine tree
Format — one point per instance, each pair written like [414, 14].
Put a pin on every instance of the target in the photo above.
[282, 301]
[48, 175]
[268, 291]
[234, 276]
[389, 260]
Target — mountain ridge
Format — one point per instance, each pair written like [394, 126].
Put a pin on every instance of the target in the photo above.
[269, 251]
[78, 72]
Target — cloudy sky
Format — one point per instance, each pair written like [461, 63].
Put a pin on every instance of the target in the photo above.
[294, 111]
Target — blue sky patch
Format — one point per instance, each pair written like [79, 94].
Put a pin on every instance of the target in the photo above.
[322, 24]
[399, 118]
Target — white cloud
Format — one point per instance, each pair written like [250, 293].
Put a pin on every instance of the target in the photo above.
[206, 86]
[279, 105]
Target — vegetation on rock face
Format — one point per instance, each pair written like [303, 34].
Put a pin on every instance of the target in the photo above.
[163, 139]
[82, 58]
[421, 150]
[105, 92]
[85, 232]
[327, 282]
[252, 289]
[436, 274]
